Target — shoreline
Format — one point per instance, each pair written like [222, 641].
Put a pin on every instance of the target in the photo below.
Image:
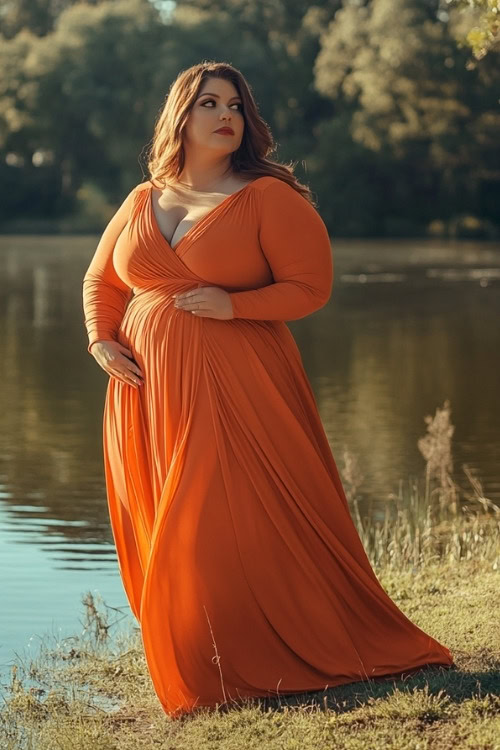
[95, 687]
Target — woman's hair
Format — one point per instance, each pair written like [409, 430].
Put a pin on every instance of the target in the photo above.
[166, 154]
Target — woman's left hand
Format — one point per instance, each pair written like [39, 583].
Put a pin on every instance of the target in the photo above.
[206, 302]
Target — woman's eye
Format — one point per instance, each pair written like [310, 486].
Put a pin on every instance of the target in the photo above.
[238, 104]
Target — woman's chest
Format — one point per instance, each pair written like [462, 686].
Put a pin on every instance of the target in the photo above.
[174, 220]
[220, 244]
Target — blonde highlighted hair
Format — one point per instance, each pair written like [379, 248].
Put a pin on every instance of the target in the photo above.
[165, 160]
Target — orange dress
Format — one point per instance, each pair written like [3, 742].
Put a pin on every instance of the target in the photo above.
[236, 547]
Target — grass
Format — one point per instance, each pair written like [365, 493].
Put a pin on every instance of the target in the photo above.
[436, 554]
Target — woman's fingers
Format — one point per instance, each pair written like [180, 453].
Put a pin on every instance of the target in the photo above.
[126, 370]
[124, 349]
[132, 366]
[129, 367]
[118, 362]
[126, 378]
[129, 360]
[131, 371]
[207, 302]
[129, 364]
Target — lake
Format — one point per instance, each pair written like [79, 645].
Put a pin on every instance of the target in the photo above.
[410, 323]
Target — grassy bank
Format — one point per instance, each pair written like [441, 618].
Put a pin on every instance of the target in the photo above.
[436, 553]
[93, 691]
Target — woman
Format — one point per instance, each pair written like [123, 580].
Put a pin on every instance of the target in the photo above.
[236, 547]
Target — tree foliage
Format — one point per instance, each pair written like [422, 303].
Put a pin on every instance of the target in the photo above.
[482, 19]
[376, 100]
[396, 68]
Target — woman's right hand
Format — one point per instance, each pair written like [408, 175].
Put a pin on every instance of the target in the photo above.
[117, 361]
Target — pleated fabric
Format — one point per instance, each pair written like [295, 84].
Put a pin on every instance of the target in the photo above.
[235, 543]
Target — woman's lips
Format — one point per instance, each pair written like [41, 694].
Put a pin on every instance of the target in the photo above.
[225, 131]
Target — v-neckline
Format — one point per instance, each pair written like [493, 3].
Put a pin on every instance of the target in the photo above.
[194, 226]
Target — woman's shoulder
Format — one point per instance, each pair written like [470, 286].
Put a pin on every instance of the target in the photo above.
[142, 186]
[270, 181]
[277, 193]
[283, 204]
[276, 189]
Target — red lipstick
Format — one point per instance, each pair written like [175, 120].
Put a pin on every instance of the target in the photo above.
[225, 131]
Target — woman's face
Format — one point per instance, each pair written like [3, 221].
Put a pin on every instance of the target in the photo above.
[217, 105]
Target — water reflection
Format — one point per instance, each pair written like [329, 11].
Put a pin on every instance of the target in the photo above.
[410, 324]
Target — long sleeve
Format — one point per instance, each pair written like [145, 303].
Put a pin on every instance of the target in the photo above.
[297, 247]
[105, 295]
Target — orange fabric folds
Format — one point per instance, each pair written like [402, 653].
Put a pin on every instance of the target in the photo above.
[236, 548]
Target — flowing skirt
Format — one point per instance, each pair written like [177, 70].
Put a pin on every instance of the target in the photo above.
[236, 547]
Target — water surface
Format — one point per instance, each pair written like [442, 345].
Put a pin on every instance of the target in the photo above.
[410, 324]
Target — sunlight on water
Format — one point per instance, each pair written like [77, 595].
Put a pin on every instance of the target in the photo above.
[410, 323]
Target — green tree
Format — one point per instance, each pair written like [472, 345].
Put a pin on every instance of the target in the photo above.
[37, 16]
[87, 92]
[481, 27]
[395, 67]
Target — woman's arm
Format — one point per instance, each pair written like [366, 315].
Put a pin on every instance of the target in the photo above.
[105, 295]
[296, 244]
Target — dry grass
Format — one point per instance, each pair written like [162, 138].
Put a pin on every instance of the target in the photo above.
[436, 554]
[432, 518]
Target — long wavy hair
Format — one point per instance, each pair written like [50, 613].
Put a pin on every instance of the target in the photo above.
[166, 157]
